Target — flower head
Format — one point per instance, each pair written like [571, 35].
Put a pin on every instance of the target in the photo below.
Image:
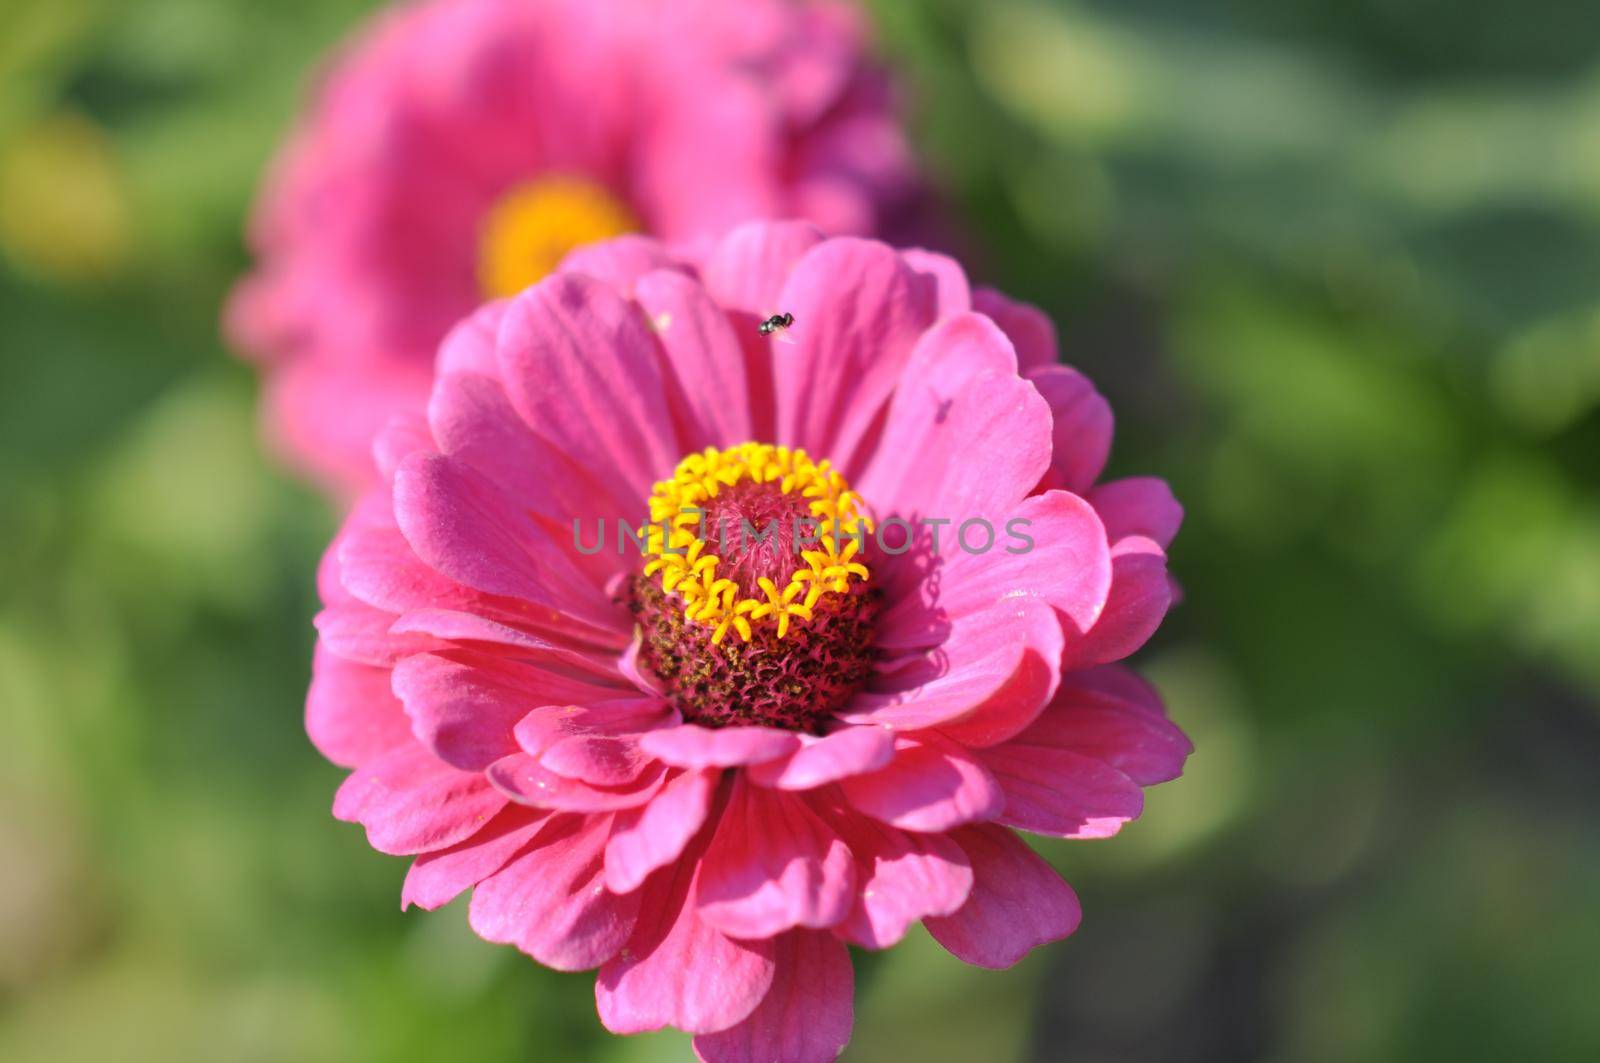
[706, 760]
[460, 148]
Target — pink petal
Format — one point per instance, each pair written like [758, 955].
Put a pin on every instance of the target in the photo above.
[652, 836]
[1139, 505]
[858, 312]
[581, 367]
[464, 706]
[471, 631]
[377, 566]
[358, 632]
[627, 716]
[474, 422]
[404, 434]
[773, 865]
[678, 970]
[1051, 547]
[1089, 719]
[931, 786]
[412, 802]
[1068, 564]
[723, 127]
[953, 294]
[1029, 328]
[748, 269]
[976, 668]
[706, 358]
[435, 879]
[693, 746]
[469, 346]
[1081, 427]
[846, 752]
[621, 262]
[1014, 706]
[600, 760]
[900, 877]
[523, 779]
[807, 1014]
[375, 509]
[463, 526]
[322, 417]
[1018, 902]
[947, 361]
[962, 444]
[1059, 792]
[551, 901]
[1122, 684]
[351, 715]
[1140, 595]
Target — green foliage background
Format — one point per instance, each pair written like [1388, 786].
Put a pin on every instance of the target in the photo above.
[1337, 266]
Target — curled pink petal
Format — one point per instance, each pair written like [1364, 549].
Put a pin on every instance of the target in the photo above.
[548, 725]
[600, 760]
[475, 423]
[846, 752]
[693, 746]
[523, 779]
[1051, 546]
[995, 663]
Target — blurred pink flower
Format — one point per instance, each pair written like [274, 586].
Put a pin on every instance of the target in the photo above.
[459, 148]
[706, 772]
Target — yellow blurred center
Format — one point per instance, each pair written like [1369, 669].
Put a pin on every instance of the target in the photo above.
[530, 229]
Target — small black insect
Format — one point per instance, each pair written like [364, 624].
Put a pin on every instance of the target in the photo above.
[776, 322]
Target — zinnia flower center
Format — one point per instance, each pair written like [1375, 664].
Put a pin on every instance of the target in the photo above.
[754, 606]
[531, 227]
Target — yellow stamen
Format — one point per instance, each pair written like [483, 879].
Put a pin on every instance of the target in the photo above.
[689, 569]
[530, 229]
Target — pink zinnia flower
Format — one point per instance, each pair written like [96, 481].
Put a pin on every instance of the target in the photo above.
[460, 148]
[708, 768]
